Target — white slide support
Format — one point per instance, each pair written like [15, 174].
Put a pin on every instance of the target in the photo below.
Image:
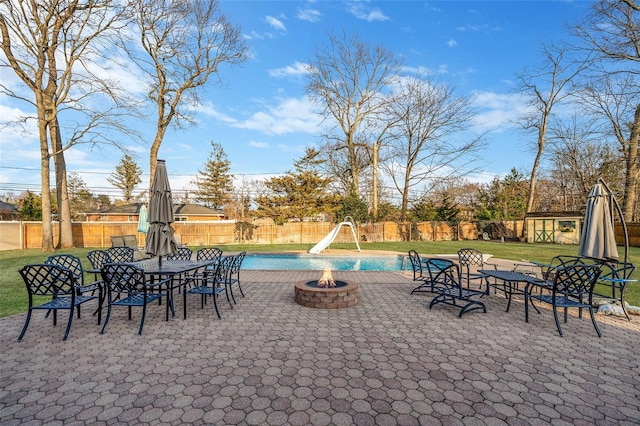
[328, 239]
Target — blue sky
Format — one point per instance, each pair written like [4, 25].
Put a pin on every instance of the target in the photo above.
[262, 118]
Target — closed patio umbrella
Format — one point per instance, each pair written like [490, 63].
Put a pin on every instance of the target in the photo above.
[598, 239]
[160, 240]
[143, 223]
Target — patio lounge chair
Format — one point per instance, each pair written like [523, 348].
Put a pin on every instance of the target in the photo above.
[447, 284]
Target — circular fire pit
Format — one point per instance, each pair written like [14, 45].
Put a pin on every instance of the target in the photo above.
[343, 295]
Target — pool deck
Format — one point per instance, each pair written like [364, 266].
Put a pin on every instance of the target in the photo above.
[387, 360]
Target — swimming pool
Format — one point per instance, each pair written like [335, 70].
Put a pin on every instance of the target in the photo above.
[315, 262]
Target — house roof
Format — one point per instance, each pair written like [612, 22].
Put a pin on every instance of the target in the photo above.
[179, 209]
[7, 207]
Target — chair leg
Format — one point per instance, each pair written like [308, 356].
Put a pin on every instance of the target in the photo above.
[106, 319]
[66, 332]
[144, 312]
[226, 292]
[98, 311]
[624, 309]
[184, 301]
[555, 316]
[26, 324]
[215, 304]
[593, 320]
[232, 295]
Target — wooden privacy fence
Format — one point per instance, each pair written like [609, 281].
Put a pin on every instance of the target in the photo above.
[19, 235]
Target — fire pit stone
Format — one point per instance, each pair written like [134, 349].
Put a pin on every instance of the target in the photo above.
[341, 296]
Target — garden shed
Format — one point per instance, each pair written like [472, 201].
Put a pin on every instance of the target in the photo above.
[554, 227]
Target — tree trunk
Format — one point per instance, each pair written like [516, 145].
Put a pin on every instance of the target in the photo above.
[153, 153]
[632, 169]
[65, 228]
[375, 181]
[47, 226]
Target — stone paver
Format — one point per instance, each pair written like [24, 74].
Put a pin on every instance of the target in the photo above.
[387, 360]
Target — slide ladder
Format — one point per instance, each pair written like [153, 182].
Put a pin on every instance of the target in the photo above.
[328, 239]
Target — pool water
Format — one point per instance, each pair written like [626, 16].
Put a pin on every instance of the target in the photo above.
[319, 262]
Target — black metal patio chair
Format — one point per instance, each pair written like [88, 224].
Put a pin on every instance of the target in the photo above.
[416, 267]
[570, 286]
[98, 258]
[209, 253]
[209, 282]
[548, 271]
[615, 277]
[127, 286]
[183, 253]
[74, 264]
[121, 254]
[233, 275]
[59, 284]
[471, 263]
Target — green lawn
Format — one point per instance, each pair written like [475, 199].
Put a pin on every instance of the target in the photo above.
[13, 296]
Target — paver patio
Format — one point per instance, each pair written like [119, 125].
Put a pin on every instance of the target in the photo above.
[388, 360]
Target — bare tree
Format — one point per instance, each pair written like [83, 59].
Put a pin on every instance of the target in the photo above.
[53, 47]
[546, 86]
[578, 157]
[612, 33]
[348, 80]
[185, 42]
[427, 142]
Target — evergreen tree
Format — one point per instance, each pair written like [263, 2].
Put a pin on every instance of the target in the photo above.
[215, 183]
[80, 198]
[126, 177]
[503, 199]
[299, 195]
[424, 210]
[447, 211]
[354, 206]
[31, 207]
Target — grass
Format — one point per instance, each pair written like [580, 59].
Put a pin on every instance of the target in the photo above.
[13, 296]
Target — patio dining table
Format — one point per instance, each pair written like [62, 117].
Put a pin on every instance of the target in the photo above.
[511, 279]
[176, 269]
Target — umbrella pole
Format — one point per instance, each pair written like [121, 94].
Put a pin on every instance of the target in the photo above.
[624, 225]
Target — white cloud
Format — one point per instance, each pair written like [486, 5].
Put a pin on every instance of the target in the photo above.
[452, 43]
[275, 23]
[361, 12]
[256, 144]
[310, 15]
[498, 111]
[443, 69]
[290, 115]
[293, 149]
[209, 110]
[297, 69]
[417, 70]
[253, 35]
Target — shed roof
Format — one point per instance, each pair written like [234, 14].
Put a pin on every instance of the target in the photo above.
[554, 214]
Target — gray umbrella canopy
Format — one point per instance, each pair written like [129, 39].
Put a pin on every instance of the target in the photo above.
[598, 240]
[160, 240]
